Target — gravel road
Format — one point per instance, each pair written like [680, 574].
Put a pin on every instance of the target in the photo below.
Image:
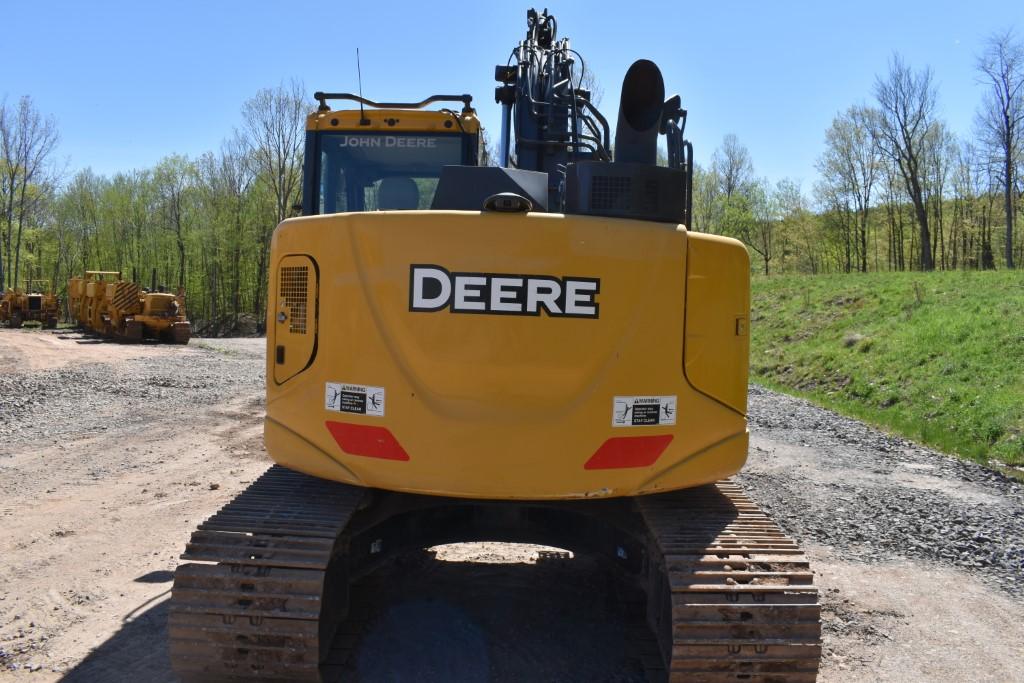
[876, 497]
[108, 460]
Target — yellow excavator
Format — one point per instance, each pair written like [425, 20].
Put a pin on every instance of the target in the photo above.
[538, 351]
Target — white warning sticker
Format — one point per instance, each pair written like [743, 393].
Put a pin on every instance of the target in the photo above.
[643, 411]
[354, 398]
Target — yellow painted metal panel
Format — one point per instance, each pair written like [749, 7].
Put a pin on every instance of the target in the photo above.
[488, 405]
[718, 318]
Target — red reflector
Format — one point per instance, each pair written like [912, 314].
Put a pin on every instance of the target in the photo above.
[371, 442]
[628, 451]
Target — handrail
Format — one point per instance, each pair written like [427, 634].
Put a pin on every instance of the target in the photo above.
[322, 97]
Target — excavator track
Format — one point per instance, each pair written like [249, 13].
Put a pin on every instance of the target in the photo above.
[731, 597]
[256, 613]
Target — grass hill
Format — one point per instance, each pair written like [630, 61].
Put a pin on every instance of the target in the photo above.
[936, 357]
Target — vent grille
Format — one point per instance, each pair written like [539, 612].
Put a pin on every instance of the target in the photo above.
[126, 297]
[652, 205]
[293, 288]
[610, 193]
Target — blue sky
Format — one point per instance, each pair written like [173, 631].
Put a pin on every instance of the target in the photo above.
[130, 82]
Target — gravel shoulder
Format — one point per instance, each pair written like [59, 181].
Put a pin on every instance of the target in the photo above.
[108, 460]
[919, 555]
[873, 496]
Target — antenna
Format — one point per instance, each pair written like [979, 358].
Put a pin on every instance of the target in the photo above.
[363, 121]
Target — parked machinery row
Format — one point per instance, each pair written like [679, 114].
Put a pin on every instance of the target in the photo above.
[37, 302]
[103, 303]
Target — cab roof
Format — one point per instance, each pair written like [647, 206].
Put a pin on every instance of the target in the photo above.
[408, 117]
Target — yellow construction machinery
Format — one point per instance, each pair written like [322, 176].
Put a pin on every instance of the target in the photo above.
[37, 302]
[103, 303]
[536, 352]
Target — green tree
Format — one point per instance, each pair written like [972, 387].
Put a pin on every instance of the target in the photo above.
[27, 179]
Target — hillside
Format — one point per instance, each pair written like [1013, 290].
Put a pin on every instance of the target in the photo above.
[937, 357]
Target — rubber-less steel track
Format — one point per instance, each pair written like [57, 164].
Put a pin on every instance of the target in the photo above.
[256, 613]
[729, 596]
[733, 598]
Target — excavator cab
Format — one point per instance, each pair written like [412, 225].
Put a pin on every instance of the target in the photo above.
[387, 157]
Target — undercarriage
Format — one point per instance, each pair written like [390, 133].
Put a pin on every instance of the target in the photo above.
[729, 596]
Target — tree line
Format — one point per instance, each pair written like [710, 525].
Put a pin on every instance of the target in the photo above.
[203, 224]
[898, 190]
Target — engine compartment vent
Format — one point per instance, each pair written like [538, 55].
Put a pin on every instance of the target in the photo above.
[292, 328]
[293, 288]
[625, 190]
[610, 193]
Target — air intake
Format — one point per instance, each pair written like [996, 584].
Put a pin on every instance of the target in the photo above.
[640, 191]
[293, 289]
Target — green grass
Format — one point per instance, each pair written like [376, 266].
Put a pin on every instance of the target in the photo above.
[936, 357]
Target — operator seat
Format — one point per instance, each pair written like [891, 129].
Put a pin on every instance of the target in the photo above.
[398, 194]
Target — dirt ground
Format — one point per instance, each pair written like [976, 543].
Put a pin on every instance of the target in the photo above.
[34, 349]
[93, 523]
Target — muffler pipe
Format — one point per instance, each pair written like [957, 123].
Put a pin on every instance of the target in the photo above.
[640, 107]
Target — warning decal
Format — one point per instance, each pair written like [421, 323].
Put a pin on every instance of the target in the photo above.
[643, 411]
[355, 398]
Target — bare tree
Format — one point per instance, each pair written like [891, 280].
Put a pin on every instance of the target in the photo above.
[588, 81]
[907, 105]
[738, 192]
[274, 130]
[27, 141]
[732, 163]
[1001, 116]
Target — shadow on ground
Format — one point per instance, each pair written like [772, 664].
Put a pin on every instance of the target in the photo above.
[137, 652]
[158, 576]
[420, 619]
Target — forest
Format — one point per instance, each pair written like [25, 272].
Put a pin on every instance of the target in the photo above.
[897, 190]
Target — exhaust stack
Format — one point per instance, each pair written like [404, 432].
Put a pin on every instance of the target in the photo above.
[640, 108]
